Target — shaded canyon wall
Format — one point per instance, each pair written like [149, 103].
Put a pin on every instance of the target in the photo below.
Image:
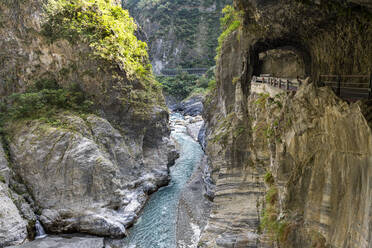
[291, 170]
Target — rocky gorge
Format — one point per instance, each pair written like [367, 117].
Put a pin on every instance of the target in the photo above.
[91, 151]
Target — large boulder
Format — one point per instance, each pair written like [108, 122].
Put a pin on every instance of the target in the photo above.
[192, 105]
[86, 176]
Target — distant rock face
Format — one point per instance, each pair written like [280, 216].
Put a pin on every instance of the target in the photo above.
[85, 176]
[182, 33]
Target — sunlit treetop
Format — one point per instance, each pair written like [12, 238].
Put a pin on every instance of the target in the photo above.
[105, 26]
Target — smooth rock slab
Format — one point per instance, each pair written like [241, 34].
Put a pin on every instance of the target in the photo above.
[12, 227]
[65, 241]
[86, 176]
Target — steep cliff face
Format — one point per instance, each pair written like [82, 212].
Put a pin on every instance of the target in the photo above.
[318, 158]
[13, 228]
[179, 33]
[331, 37]
[291, 170]
[85, 176]
[84, 123]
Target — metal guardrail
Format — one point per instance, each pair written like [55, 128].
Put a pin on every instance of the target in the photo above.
[350, 87]
[288, 84]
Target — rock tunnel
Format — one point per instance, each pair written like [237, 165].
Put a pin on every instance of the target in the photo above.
[283, 58]
[280, 58]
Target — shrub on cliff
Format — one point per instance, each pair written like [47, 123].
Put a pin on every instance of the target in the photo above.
[230, 21]
[103, 34]
[43, 99]
[106, 27]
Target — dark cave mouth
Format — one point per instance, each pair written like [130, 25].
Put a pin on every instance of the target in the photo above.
[280, 58]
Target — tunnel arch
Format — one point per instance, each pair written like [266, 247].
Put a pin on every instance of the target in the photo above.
[264, 45]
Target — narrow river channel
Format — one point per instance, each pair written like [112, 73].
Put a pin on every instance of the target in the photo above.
[156, 228]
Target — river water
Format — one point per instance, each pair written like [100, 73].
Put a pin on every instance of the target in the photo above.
[156, 228]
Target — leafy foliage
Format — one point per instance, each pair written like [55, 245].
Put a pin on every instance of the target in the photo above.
[179, 86]
[184, 85]
[269, 178]
[107, 28]
[45, 98]
[269, 222]
[230, 21]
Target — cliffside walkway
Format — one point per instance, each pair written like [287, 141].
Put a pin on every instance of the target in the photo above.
[347, 87]
[281, 83]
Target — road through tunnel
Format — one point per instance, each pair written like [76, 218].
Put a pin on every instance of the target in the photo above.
[282, 58]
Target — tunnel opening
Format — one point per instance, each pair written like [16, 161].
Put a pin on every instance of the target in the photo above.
[281, 62]
[280, 58]
[284, 58]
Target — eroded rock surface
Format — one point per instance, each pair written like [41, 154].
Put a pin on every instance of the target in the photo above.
[319, 146]
[193, 125]
[291, 170]
[65, 241]
[13, 228]
[318, 150]
[193, 207]
[192, 106]
[16, 215]
[84, 175]
[165, 24]
[80, 172]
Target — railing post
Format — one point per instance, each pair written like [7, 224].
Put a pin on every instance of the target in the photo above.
[370, 86]
[280, 84]
[339, 86]
[319, 84]
[287, 84]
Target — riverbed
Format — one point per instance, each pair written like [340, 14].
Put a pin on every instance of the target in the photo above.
[156, 228]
